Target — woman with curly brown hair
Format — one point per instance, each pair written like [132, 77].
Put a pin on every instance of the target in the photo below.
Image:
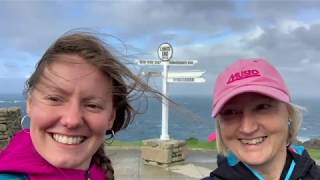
[78, 93]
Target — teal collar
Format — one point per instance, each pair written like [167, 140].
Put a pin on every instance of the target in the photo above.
[233, 160]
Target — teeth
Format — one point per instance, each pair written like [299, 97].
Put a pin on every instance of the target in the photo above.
[253, 141]
[67, 139]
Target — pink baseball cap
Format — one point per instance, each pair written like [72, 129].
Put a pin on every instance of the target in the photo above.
[248, 75]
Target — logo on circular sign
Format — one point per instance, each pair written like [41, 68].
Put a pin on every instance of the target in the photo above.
[165, 51]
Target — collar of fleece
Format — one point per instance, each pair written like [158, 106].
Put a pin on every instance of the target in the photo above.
[20, 156]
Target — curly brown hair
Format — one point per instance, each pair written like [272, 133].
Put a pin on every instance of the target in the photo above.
[126, 85]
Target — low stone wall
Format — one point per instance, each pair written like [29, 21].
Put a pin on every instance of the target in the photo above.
[9, 124]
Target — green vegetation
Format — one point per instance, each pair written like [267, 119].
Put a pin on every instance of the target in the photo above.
[314, 153]
[193, 143]
[119, 143]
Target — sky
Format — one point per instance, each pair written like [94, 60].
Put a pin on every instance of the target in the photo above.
[214, 32]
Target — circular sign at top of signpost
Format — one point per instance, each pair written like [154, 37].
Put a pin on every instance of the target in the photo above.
[165, 51]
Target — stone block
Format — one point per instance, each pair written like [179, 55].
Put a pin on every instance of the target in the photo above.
[3, 143]
[3, 112]
[4, 137]
[13, 110]
[156, 155]
[162, 153]
[3, 127]
[151, 142]
[176, 149]
[176, 159]
[3, 119]
[166, 145]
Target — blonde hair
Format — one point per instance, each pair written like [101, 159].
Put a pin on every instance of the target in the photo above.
[295, 118]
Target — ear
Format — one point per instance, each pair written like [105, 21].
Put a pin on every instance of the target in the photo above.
[28, 104]
[112, 118]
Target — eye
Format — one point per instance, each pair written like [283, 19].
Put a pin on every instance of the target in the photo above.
[263, 107]
[229, 114]
[54, 100]
[94, 107]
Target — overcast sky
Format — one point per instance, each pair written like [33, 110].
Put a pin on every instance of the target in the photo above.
[215, 32]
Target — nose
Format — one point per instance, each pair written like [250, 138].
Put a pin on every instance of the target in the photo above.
[248, 123]
[72, 116]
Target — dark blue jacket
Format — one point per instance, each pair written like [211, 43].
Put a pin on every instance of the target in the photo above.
[298, 166]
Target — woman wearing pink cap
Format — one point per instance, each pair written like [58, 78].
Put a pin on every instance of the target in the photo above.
[256, 124]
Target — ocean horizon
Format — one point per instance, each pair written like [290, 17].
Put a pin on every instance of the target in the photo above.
[190, 117]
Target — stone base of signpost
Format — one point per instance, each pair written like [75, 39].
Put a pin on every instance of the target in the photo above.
[163, 153]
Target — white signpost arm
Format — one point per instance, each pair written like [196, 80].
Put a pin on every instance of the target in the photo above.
[165, 53]
[165, 104]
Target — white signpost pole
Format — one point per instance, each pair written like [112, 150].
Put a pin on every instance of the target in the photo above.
[165, 53]
[165, 104]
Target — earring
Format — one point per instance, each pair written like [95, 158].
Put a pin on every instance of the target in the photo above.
[289, 123]
[109, 138]
[22, 122]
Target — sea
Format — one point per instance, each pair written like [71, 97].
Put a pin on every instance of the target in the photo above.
[189, 117]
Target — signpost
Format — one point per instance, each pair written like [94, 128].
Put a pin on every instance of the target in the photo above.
[186, 80]
[183, 63]
[171, 63]
[165, 53]
[149, 62]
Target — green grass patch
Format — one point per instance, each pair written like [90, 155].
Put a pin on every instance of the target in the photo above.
[193, 143]
[314, 153]
[126, 143]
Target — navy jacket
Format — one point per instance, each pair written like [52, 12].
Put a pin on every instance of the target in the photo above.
[298, 166]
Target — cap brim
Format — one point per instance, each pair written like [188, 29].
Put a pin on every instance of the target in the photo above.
[264, 90]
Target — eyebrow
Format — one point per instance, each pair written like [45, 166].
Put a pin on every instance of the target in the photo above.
[56, 89]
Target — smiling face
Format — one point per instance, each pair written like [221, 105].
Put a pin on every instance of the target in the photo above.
[70, 108]
[255, 128]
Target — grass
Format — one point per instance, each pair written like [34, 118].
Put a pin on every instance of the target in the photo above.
[119, 143]
[193, 143]
[314, 153]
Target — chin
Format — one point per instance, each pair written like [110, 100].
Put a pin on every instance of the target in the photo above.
[69, 163]
[254, 162]
[254, 159]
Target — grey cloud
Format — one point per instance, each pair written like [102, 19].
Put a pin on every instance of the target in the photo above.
[33, 25]
[291, 47]
[30, 26]
[145, 17]
[271, 11]
[310, 38]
